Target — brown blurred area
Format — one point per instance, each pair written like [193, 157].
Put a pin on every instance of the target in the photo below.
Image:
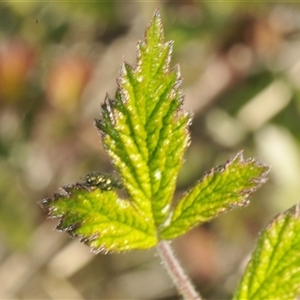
[241, 68]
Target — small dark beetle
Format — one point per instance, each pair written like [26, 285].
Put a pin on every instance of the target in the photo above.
[102, 181]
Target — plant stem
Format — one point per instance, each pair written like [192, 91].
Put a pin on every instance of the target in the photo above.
[180, 279]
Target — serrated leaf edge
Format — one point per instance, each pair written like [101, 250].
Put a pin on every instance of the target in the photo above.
[258, 181]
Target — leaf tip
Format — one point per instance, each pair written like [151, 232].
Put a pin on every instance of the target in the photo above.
[156, 16]
[157, 13]
[99, 124]
[44, 204]
[70, 229]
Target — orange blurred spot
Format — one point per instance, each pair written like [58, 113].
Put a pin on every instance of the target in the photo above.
[66, 82]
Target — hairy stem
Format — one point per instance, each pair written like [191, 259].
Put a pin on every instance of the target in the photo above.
[180, 279]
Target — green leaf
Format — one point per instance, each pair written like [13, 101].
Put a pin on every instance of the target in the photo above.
[100, 218]
[273, 271]
[145, 132]
[144, 128]
[220, 190]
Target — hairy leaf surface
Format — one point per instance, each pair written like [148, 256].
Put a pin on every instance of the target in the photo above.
[220, 190]
[101, 219]
[145, 132]
[144, 128]
[273, 271]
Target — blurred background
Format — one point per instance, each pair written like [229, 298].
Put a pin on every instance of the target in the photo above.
[241, 68]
